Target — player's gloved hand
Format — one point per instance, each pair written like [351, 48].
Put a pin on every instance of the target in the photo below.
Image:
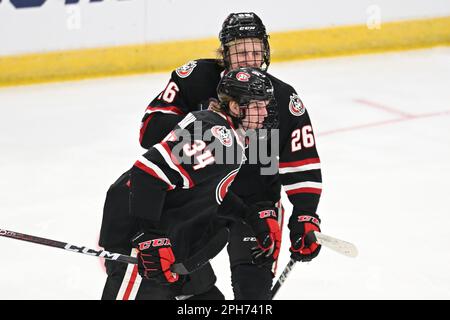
[155, 257]
[303, 245]
[263, 219]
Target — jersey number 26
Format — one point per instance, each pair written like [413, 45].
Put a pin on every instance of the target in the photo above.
[303, 137]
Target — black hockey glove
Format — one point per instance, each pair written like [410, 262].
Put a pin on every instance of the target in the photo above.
[155, 257]
[303, 245]
[263, 219]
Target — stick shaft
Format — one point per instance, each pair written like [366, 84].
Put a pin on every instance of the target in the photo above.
[282, 277]
[67, 246]
[211, 249]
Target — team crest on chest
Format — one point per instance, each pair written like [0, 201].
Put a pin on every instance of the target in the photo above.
[296, 106]
[223, 134]
[185, 70]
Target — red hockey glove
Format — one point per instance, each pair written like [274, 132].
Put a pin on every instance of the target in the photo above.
[155, 257]
[263, 219]
[303, 246]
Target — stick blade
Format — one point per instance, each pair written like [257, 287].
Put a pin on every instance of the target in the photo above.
[343, 247]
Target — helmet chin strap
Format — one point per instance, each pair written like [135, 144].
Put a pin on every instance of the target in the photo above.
[242, 114]
[237, 120]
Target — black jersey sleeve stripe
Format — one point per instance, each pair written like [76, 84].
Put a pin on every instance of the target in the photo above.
[173, 163]
[153, 170]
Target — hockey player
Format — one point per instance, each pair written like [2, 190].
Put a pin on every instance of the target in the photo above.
[176, 187]
[244, 42]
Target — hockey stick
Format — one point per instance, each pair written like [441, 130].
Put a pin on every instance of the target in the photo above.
[282, 277]
[340, 246]
[343, 247]
[275, 288]
[67, 246]
[196, 261]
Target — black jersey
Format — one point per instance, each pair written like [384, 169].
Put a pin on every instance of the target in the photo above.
[179, 183]
[191, 85]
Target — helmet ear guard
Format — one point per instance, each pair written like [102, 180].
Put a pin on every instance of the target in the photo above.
[243, 25]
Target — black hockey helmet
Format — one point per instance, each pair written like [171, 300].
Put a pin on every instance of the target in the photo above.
[244, 25]
[244, 85]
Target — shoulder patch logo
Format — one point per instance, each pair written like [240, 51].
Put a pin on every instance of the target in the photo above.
[185, 70]
[296, 106]
[223, 134]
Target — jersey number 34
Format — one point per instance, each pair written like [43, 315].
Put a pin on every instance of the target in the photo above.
[201, 158]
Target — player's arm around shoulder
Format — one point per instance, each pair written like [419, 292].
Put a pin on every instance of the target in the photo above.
[174, 101]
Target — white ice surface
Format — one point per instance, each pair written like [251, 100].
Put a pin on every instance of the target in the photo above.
[382, 126]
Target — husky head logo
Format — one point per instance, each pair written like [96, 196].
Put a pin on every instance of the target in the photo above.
[296, 106]
[185, 70]
[223, 134]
